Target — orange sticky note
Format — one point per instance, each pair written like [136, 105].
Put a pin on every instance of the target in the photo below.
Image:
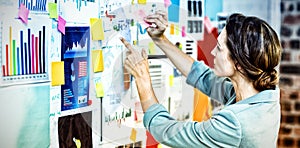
[172, 29]
[61, 25]
[23, 13]
[133, 135]
[58, 73]
[52, 8]
[99, 90]
[97, 29]
[97, 61]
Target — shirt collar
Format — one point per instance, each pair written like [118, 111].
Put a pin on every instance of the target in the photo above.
[263, 96]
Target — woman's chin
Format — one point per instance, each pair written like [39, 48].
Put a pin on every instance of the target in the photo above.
[217, 73]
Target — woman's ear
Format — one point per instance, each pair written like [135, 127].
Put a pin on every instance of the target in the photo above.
[237, 66]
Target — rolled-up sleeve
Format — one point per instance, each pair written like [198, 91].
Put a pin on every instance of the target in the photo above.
[204, 79]
[222, 130]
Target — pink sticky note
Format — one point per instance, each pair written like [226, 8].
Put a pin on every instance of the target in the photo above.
[141, 15]
[23, 13]
[167, 3]
[183, 34]
[61, 24]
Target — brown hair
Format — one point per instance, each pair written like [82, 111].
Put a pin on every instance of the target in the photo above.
[255, 47]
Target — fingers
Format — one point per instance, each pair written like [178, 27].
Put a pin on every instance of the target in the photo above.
[127, 45]
[164, 16]
[129, 66]
[163, 13]
[159, 18]
[144, 54]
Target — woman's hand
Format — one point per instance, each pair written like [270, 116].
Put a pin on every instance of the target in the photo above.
[159, 22]
[136, 63]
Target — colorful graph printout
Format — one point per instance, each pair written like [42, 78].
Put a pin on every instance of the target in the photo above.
[75, 54]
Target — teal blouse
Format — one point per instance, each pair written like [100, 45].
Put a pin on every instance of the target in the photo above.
[252, 122]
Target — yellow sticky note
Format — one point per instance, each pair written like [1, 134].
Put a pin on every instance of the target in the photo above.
[97, 61]
[177, 30]
[58, 73]
[97, 29]
[142, 1]
[171, 80]
[151, 48]
[52, 8]
[133, 134]
[99, 90]
[172, 29]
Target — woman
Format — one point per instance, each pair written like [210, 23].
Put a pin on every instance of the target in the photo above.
[244, 79]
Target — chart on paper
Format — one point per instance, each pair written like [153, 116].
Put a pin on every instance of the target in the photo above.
[24, 52]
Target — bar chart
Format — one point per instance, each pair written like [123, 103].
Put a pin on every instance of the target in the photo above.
[23, 54]
[34, 5]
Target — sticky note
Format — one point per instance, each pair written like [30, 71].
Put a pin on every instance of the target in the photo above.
[171, 80]
[97, 29]
[177, 29]
[140, 17]
[142, 1]
[183, 32]
[151, 48]
[61, 25]
[133, 135]
[97, 60]
[167, 3]
[52, 8]
[172, 29]
[23, 13]
[173, 11]
[99, 90]
[58, 74]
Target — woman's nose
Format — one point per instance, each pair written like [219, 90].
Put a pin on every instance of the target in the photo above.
[213, 52]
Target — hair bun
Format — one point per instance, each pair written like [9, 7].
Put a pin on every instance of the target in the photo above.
[266, 80]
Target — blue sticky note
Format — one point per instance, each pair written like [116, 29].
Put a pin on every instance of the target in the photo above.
[173, 11]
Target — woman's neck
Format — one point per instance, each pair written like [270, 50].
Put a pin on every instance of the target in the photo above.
[243, 88]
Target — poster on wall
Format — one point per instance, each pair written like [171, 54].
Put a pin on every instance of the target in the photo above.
[79, 9]
[24, 50]
[75, 55]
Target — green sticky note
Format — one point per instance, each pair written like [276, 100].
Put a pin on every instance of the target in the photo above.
[99, 90]
[151, 48]
[171, 80]
[52, 8]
